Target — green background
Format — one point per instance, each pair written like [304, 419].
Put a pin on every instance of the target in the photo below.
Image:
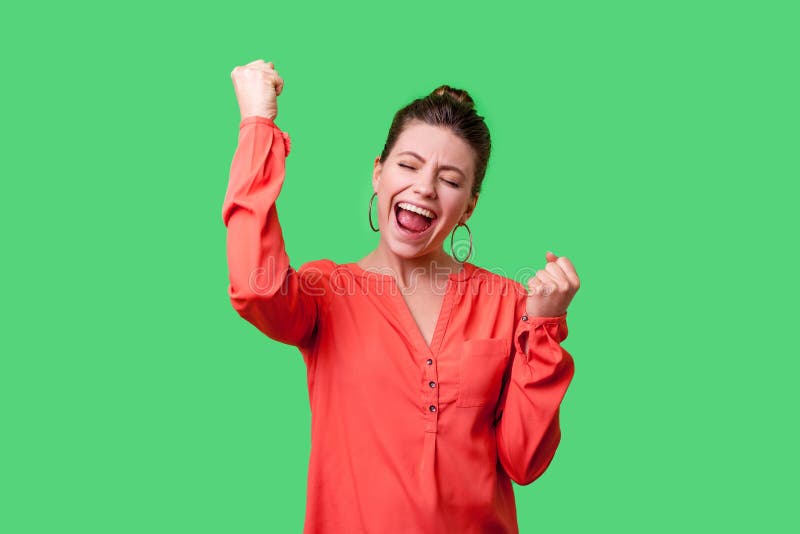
[655, 144]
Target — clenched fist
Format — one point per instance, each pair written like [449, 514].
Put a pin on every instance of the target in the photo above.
[552, 288]
[257, 87]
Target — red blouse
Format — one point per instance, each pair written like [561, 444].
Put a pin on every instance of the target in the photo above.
[405, 437]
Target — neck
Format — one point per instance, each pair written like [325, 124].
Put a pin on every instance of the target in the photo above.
[433, 268]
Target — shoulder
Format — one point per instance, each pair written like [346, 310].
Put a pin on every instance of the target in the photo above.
[316, 272]
[488, 282]
[325, 272]
[323, 266]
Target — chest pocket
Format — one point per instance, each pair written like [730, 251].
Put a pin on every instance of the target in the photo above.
[482, 365]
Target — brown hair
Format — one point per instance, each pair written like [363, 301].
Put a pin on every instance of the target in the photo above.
[451, 108]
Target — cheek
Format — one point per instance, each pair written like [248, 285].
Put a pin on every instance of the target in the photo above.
[453, 206]
[386, 209]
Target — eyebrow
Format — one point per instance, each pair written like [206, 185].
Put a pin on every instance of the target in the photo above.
[444, 167]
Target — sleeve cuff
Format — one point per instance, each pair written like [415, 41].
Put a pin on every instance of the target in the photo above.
[542, 320]
[554, 328]
[258, 119]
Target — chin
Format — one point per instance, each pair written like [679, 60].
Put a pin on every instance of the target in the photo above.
[407, 251]
[410, 250]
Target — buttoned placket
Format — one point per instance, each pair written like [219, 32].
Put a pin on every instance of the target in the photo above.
[429, 383]
[430, 395]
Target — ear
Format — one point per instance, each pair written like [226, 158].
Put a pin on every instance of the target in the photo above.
[376, 173]
[470, 208]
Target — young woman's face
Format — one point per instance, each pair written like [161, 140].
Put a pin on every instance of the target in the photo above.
[433, 169]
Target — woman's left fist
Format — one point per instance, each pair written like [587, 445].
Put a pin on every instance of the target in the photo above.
[552, 288]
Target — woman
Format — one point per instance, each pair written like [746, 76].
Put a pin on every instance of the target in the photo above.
[433, 383]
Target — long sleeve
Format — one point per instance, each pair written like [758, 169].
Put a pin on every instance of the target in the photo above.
[264, 289]
[527, 417]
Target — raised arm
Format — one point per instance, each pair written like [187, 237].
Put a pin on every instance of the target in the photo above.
[527, 418]
[264, 289]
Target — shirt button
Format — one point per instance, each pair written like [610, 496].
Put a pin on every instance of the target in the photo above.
[429, 362]
[432, 408]
[524, 317]
[432, 384]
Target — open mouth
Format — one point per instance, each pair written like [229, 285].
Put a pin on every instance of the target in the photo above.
[413, 219]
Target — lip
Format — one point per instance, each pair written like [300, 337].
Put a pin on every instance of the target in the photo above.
[411, 235]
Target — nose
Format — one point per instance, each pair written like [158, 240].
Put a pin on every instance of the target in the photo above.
[424, 185]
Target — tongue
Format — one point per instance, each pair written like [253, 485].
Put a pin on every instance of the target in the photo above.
[413, 221]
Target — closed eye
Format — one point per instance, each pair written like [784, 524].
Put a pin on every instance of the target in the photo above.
[449, 182]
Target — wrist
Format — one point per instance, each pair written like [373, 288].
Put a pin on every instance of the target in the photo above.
[270, 116]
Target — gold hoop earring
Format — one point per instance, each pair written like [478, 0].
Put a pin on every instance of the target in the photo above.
[452, 235]
[370, 212]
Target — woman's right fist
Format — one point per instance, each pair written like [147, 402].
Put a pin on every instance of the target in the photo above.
[257, 87]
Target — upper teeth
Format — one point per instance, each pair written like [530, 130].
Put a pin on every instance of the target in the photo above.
[416, 209]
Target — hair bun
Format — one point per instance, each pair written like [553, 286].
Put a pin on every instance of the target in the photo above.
[458, 94]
